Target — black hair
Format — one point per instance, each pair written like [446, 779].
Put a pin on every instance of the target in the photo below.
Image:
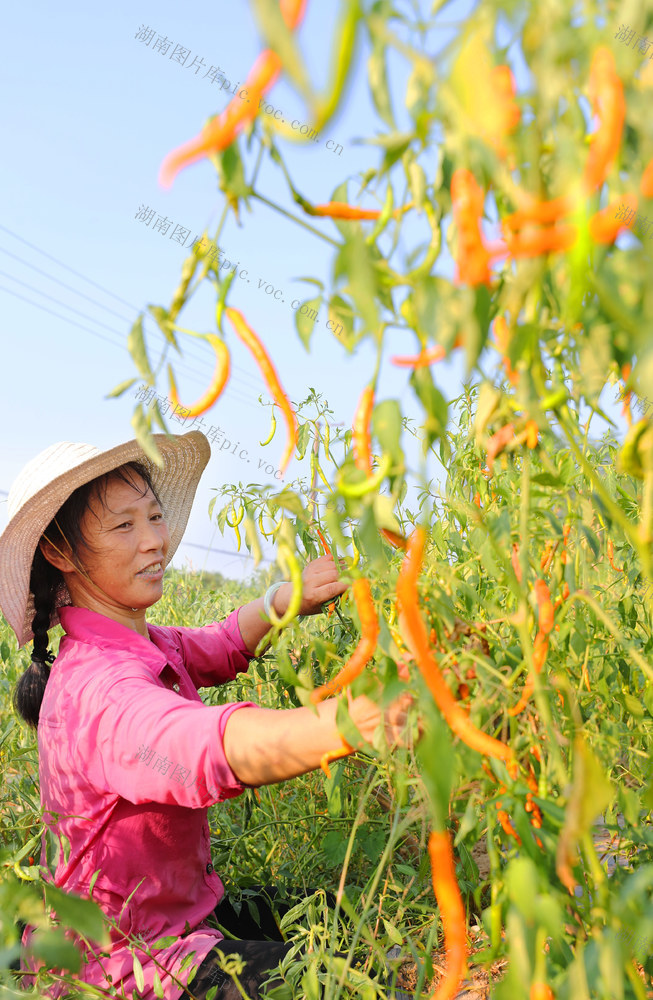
[64, 532]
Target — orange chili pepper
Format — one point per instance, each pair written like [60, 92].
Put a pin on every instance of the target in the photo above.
[507, 826]
[498, 442]
[547, 556]
[341, 210]
[611, 556]
[323, 541]
[365, 648]
[565, 536]
[540, 991]
[604, 226]
[249, 338]
[545, 606]
[361, 436]
[532, 434]
[646, 183]
[414, 634]
[606, 94]
[540, 647]
[330, 755]
[397, 541]
[514, 559]
[502, 337]
[534, 243]
[473, 256]
[534, 211]
[477, 499]
[218, 382]
[565, 591]
[421, 360]
[222, 130]
[452, 914]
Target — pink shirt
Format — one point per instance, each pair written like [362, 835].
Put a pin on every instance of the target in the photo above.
[130, 765]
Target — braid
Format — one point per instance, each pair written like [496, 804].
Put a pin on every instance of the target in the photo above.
[44, 582]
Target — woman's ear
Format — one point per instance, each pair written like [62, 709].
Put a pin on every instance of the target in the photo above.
[55, 557]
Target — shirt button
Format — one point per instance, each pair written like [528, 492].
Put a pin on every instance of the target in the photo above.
[175, 687]
[209, 868]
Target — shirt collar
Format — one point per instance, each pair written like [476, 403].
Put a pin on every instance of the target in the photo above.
[88, 626]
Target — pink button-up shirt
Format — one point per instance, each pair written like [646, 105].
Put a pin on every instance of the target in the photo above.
[128, 766]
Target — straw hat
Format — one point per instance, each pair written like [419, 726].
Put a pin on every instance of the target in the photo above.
[46, 482]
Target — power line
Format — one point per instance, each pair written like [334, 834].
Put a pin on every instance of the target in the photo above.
[95, 284]
[225, 552]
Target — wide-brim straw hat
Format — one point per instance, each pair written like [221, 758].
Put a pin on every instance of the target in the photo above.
[46, 482]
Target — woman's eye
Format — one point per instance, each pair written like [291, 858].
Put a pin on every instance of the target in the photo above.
[160, 516]
[125, 524]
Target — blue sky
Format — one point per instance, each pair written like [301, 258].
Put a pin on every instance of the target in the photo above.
[93, 112]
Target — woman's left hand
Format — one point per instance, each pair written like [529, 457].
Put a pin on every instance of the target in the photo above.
[320, 582]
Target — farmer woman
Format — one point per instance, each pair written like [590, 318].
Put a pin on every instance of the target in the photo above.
[130, 758]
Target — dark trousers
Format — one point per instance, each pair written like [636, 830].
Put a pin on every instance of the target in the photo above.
[260, 945]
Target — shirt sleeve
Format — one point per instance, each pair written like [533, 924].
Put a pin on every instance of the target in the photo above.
[153, 746]
[213, 654]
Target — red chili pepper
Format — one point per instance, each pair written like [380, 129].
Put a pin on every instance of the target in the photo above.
[249, 338]
[222, 130]
[414, 634]
[218, 382]
[365, 648]
[361, 437]
[452, 914]
[606, 94]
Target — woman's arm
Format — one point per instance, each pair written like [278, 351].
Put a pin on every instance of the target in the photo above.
[320, 583]
[263, 746]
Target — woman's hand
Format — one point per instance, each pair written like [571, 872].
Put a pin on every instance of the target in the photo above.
[320, 583]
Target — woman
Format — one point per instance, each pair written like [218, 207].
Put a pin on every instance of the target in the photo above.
[130, 758]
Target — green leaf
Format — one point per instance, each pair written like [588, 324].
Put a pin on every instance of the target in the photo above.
[436, 759]
[158, 986]
[282, 40]
[136, 347]
[417, 181]
[144, 437]
[387, 424]
[122, 387]
[392, 932]
[162, 320]
[341, 319]
[377, 76]
[435, 406]
[305, 322]
[138, 973]
[83, 915]
[55, 949]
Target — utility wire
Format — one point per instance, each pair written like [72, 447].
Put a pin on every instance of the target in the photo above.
[95, 284]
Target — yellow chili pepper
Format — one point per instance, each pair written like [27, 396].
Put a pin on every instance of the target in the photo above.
[369, 484]
[288, 562]
[272, 429]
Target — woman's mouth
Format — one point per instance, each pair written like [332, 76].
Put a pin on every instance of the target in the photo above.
[153, 572]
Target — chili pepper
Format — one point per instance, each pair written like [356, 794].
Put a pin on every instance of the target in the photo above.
[497, 443]
[646, 183]
[369, 484]
[537, 753]
[611, 556]
[502, 337]
[249, 338]
[323, 541]
[330, 755]
[473, 256]
[532, 434]
[361, 436]
[218, 382]
[534, 211]
[604, 226]
[534, 243]
[501, 113]
[547, 556]
[540, 647]
[606, 94]
[273, 428]
[223, 129]
[289, 564]
[565, 591]
[507, 826]
[515, 561]
[414, 634]
[425, 357]
[365, 648]
[452, 913]
[236, 522]
[397, 541]
[341, 210]
[541, 991]
[565, 536]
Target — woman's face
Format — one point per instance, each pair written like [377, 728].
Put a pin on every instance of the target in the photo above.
[126, 536]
